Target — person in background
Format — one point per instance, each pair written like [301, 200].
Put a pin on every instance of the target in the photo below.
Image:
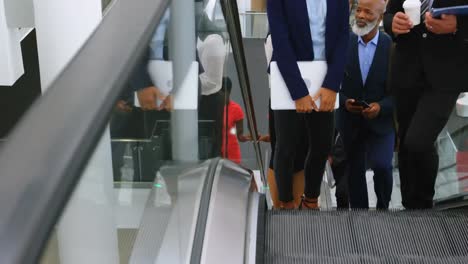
[147, 93]
[428, 71]
[212, 54]
[129, 121]
[233, 128]
[306, 30]
[365, 118]
[337, 158]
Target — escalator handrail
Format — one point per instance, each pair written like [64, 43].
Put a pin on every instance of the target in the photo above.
[42, 160]
[231, 15]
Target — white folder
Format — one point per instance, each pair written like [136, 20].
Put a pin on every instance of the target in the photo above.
[186, 96]
[313, 73]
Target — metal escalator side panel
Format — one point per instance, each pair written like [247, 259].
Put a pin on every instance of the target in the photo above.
[198, 240]
[254, 228]
[224, 236]
[261, 230]
[168, 225]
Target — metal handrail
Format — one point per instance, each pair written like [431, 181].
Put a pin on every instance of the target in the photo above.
[231, 15]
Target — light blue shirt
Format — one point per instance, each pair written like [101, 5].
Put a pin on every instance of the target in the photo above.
[317, 10]
[366, 55]
[157, 42]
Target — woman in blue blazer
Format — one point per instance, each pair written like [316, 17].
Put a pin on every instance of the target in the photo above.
[307, 30]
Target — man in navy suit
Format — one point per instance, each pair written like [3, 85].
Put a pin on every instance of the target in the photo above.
[365, 118]
[307, 30]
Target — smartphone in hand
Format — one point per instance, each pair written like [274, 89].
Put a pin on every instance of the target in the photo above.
[362, 103]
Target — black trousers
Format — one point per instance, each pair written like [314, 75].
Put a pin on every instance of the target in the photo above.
[301, 151]
[211, 109]
[292, 131]
[422, 112]
[339, 164]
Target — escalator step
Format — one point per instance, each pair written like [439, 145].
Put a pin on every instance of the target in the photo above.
[366, 237]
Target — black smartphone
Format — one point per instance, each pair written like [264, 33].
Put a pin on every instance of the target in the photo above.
[362, 103]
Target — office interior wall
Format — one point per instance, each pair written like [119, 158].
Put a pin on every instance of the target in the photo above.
[62, 26]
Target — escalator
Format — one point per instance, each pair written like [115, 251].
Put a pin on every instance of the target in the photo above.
[366, 237]
[91, 176]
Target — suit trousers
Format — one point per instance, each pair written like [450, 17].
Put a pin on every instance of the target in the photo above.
[338, 166]
[366, 149]
[293, 130]
[423, 109]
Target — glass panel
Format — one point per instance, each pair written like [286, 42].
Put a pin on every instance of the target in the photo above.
[452, 144]
[254, 24]
[253, 19]
[139, 195]
[35, 45]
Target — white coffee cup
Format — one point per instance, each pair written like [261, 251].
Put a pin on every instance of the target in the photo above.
[413, 10]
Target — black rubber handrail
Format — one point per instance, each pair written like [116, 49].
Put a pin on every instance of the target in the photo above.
[231, 15]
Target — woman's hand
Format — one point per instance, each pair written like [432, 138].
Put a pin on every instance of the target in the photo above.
[305, 105]
[327, 99]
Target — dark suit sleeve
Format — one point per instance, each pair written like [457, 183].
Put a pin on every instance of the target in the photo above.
[462, 27]
[393, 7]
[284, 54]
[337, 62]
[387, 104]
[343, 99]
[140, 78]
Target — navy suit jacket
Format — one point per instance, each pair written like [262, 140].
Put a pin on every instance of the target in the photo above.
[292, 41]
[374, 90]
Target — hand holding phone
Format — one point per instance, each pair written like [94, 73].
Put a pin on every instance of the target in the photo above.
[372, 112]
[361, 103]
[353, 107]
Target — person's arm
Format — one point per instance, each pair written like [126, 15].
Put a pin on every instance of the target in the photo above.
[462, 28]
[446, 21]
[343, 99]
[240, 132]
[462, 24]
[393, 7]
[387, 104]
[336, 64]
[284, 54]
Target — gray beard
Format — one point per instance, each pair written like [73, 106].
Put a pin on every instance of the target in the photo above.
[362, 31]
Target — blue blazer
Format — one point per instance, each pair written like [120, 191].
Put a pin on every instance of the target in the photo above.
[374, 90]
[292, 41]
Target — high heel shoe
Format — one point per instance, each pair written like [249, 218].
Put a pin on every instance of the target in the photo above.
[309, 203]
